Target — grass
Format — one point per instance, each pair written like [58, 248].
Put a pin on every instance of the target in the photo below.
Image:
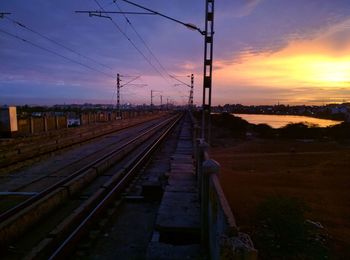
[283, 232]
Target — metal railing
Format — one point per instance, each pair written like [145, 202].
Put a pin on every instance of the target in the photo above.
[219, 232]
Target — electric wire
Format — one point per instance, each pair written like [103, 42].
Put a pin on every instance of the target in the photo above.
[147, 47]
[178, 80]
[55, 42]
[132, 80]
[131, 42]
[55, 53]
[144, 43]
[141, 39]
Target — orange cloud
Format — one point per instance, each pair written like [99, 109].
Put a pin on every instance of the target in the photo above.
[310, 64]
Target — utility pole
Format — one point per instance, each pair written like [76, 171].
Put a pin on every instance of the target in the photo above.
[191, 92]
[208, 34]
[190, 97]
[151, 99]
[118, 96]
[119, 86]
[161, 102]
[208, 69]
[152, 96]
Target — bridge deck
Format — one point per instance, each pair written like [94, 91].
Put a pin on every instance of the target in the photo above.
[178, 219]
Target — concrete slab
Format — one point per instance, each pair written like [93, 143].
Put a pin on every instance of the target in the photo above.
[184, 144]
[184, 151]
[179, 211]
[181, 176]
[178, 218]
[185, 137]
[178, 170]
[188, 161]
[180, 163]
[175, 165]
[178, 188]
[182, 158]
[182, 183]
[180, 148]
[180, 224]
[162, 251]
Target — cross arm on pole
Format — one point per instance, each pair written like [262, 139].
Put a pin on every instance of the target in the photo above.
[188, 25]
[137, 77]
[136, 85]
[182, 83]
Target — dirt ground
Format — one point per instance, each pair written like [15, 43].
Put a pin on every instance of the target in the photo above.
[316, 172]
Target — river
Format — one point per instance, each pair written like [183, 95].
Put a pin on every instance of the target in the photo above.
[277, 121]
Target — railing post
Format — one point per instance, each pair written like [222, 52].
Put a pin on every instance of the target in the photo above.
[197, 152]
[66, 121]
[220, 235]
[209, 167]
[45, 123]
[31, 125]
[81, 118]
[56, 123]
[206, 170]
[201, 150]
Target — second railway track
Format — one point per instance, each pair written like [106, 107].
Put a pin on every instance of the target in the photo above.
[81, 193]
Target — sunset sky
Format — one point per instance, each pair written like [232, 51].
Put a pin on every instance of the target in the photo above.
[265, 52]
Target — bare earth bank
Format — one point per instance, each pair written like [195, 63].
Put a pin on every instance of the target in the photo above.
[316, 172]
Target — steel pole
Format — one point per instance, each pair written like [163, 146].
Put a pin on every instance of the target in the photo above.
[118, 95]
[208, 70]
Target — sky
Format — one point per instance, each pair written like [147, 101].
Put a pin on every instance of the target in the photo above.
[265, 52]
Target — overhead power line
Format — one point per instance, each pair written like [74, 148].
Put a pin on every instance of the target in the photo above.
[91, 13]
[131, 42]
[188, 25]
[141, 38]
[178, 80]
[55, 42]
[132, 80]
[56, 53]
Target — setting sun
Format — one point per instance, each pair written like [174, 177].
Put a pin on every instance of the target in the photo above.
[282, 70]
[332, 72]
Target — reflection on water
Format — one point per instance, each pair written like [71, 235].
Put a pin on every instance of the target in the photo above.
[277, 121]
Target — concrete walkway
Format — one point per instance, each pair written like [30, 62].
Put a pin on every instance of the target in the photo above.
[177, 231]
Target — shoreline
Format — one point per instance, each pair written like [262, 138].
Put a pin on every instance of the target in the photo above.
[279, 121]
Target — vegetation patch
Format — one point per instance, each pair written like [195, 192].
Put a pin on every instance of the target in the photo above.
[283, 232]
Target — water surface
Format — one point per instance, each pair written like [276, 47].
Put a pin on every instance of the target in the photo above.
[277, 121]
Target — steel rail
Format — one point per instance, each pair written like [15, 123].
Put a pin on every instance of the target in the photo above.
[9, 213]
[67, 145]
[84, 158]
[67, 245]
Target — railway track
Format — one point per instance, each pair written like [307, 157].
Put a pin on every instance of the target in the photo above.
[75, 160]
[79, 196]
[16, 152]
